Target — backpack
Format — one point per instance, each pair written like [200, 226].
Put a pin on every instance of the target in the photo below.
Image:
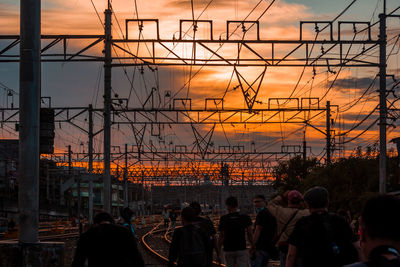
[131, 228]
[340, 253]
[192, 247]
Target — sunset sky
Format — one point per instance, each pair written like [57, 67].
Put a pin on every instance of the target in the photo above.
[81, 84]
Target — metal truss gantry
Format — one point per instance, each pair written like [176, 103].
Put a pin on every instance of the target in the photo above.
[331, 51]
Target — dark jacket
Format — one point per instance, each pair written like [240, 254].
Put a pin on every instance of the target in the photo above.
[189, 246]
[107, 245]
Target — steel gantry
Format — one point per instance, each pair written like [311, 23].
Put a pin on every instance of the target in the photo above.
[325, 50]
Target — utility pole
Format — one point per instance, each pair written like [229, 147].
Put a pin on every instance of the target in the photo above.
[107, 109]
[304, 147]
[70, 196]
[78, 183]
[29, 112]
[90, 151]
[328, 132]
[126, 177]
[69, 161]
[382, 100]
[143, 198]
[118, 185]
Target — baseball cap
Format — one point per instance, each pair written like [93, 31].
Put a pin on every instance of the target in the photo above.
[317, 197]
[294, 196]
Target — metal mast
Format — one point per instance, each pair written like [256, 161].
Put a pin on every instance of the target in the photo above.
[90, 152]
[107, 109]
[382, 100]
[29, 101]
[328, 132]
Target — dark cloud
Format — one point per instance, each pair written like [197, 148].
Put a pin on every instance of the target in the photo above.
[353, 83]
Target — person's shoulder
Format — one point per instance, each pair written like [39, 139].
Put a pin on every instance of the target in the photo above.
[244, 216]
[116, 228]
[225, 217]
[265, 213]
[306, 219]
[357, 264]
[201, 219]
[336, 219]
[179, 231]
[303, 212]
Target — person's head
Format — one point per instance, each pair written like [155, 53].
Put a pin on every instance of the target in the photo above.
[259, 202]
[231, 204]
[103, 217]
[380, 222]
[188, 215]
[196, 206]
[342, 213]
[127, 214]
[295, 198]
[317, 198]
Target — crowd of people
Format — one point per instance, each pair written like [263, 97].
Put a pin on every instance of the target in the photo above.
[294, 229]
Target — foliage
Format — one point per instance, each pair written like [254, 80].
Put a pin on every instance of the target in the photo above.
[291, 174]
[349, 180]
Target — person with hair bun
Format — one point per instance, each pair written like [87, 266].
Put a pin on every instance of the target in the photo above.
[286, 214]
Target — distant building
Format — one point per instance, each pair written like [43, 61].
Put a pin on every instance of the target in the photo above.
[8, 171]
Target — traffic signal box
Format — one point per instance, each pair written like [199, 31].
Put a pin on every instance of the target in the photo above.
[47, 133]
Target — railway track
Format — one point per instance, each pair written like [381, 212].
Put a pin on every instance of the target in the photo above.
[47, 237]
[157, 242]
[154, 242]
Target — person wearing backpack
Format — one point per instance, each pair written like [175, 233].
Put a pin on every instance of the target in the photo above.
[165, 215]
[190, 244]
[264, 233]
[172, 218]
[322, 238]
[380, 232]
[232, 235]
[127, 216]
[208, 227]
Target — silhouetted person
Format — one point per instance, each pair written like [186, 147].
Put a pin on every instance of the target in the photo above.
[11, 225]
[380, 232]
[207, 226]
[286, 214]
[165, 215]
[107, 244]
[232, 235]
[322, 238]
[172, 217]
[127, 216]
[264, 232]
[189, 244]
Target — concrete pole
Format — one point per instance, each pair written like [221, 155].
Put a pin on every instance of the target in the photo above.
[143, 197]
[69, 161]
[90, 150]
[78, 181]
[328, 132]
[126, 204]
[382, 101]
[71, 197]
[107, 111]
[47, 183]
[118, 184]
[29, 112]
